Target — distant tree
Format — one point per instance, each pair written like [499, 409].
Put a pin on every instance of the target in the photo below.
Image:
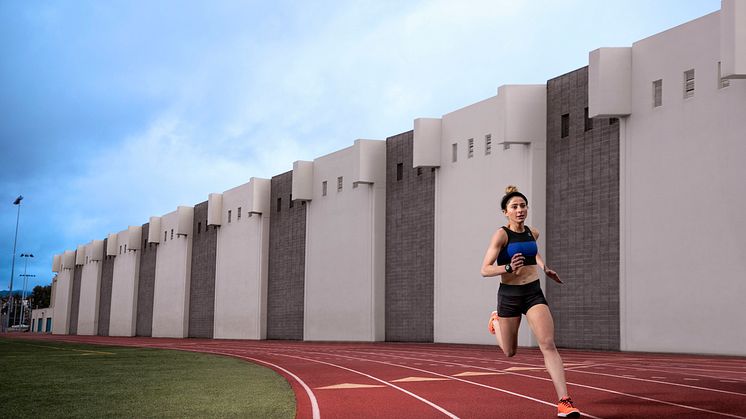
[41, 296]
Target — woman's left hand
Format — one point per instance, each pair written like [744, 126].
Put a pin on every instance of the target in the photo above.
[551, 274]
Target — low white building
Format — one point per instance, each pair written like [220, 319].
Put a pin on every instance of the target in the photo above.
[41, 320]
[125, 247]
[173, 264]
[242, 215]
[681, 99]
[479, 150]
[345, 238]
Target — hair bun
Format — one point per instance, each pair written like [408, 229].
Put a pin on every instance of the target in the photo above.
[511, 189]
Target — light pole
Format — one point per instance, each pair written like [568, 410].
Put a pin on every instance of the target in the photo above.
[13, 263]
[25, 256]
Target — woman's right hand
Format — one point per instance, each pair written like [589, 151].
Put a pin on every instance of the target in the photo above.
[516, 262]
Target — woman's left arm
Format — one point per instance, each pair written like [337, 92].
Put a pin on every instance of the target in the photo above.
[541, 264]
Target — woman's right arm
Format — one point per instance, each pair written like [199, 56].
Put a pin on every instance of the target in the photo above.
[488, 264]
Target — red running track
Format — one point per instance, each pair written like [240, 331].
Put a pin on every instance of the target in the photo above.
[375, 380]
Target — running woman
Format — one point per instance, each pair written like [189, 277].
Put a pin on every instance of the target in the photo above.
[513, 247]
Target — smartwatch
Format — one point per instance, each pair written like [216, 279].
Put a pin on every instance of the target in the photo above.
[508, 268]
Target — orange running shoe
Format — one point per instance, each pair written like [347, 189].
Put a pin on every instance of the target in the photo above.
[490, 326]
[565, 409]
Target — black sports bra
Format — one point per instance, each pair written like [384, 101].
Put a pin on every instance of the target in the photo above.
[523, 243]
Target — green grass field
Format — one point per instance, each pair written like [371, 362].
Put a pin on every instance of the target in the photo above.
[49, 379]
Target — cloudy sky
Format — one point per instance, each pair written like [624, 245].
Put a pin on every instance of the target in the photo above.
[114, 111]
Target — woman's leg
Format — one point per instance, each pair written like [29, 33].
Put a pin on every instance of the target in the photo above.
[506, 334]
[540, 319]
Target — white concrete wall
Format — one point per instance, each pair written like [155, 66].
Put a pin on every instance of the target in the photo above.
[241, 264]
[733, 38]
[172, 273]
[609, 82]
[302, 187]
[426, 147]
[61, 302]
[344, 286]
[90, 287]
[468, 194]
[683, 200]
[123, 316]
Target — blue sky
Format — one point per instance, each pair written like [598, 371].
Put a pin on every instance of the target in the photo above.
[114, 111]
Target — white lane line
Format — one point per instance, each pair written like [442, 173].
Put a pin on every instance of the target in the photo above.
[603, 390]
[668, 371]
[671, 368]
[465, 381]
[738, 366]
[626, 377]
[422, 399]
[314, 403]
[663, 382]
[570, 354]
[348, 386]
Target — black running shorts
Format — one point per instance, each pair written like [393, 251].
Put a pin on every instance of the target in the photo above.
[514, 300]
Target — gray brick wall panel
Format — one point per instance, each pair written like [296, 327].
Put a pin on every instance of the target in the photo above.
[75, 300]
[582, 219]
[146, 286]
[410, 229]
[104, 305]
[287, 258]
[202, 284]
